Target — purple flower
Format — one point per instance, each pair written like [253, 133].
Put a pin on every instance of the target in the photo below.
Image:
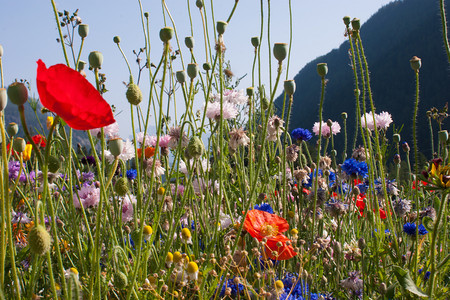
[89, 196]
[88, 176]
[131, 174]
[301, 134]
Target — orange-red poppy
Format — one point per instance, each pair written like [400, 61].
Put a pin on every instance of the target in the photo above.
[39, 140]
[67, 93]
[283, 252]
[148, 152]
[261, 224]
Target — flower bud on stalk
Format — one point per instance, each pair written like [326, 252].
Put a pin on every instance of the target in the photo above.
[322, 69]
[289, 87]
[83, 30]
[116, 39]
[396, 138]
[116, 146]
[81, 65]
[356, 24]
[39, 240]
[166, 34]
[3, 98]
[192, 70]
[221, 26]
[346, 20]
[255, 41]
[19, 145]
[189, 42]
[95, 60]
[18, 93]
[416, 63]
[280, 51]
[443, 136]
[12, 129]
[207, 66]
[181, 76]
[134, 94]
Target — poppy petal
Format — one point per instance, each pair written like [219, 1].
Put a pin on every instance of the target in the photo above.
[284, 252]
[256, 219]
[67, 93]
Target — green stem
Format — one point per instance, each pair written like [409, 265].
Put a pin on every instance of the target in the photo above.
[444, 29]
[61, 37]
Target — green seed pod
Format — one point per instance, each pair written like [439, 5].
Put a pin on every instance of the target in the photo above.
[322, 69]
[189, 42]
[120, 280]
[346, 20]
[250, 91]
[280, 51]
[39, 240]
[207, 66]
[3, 99]
[83, 30]
[199, 4]
[289, 87]
[221, 26]
[329, 123]
[19, 145]
[333, 153]
[12, 129]
[95, 60]
[121, 186]
[18, 93]
[54, 163]
[416, 63]
[1, 51]
[255, 41]
[192, 70]
[443, 136]
[81, 65]
[356, 24]
[146, 14]
[344, 116]
[195, 147]
[134, 94]
[116, 146]
[116, 39]
[166, 34]
[396, 138]
[181, 76]
[264, 103]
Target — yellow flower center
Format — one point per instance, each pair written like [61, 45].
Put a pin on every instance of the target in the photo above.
[268, 230]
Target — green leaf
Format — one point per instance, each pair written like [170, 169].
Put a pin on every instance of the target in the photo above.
[406, 282]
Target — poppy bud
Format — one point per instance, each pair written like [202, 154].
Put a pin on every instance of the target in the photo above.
[83, 30]
[344, 116]
[329, 123]
[39, 240]
[443, 136]
[121, 186]
[356, 24]
[81, 65]
[192, 70]
[116, 39]
[397, 158]
[346, 20]
[181, 76]
[221, 26]
[333, 153]
[207, 66]
[289, 87]
[195, 147]
[18, 93]
[19, 145]
[264, 103]
[396, 138]
[120, 280]
[416, 63]
[166, 34]
[189, 42]
[116, 146]
[250, 91]
[405, 147]
[255, 41]
[12, 129]
[146, 14]
[54, 163]
[95, 60]
[280, 51]
[199, 4]
[134, 94]
[1, 51]
[322, 69]
[3, 99]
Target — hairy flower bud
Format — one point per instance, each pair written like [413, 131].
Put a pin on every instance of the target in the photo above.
[120, 280]
[134, 94]
[121, 186]
[39, 240]
[195, 147]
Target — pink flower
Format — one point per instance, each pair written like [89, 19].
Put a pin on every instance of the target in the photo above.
[383, 120]
[89, 196]
[370, 123]
[164, 141]
[110, 131]
[229, 110]
[127, 208]
[232, 96]
[335, 129]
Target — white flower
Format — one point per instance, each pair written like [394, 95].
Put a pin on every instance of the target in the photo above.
[110, 131]
[383, 120]
[127, 153]
[229, 110]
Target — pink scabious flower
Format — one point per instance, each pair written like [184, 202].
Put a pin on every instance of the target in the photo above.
[127, 208]
[88, 196]
[127, 153]
[158, 171]
[233, 96]
[164, 141]
[150, 141]
[335, 129]
[383, 120]
[110, 131]
[368, 117]
[176, 134]
[238, 138]
[229, 110]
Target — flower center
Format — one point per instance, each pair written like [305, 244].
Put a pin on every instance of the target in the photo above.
[269, 230]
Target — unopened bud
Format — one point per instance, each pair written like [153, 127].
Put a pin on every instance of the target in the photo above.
[416, 63]
[19, 145]
[181, 76]
[166, 34]
[83, 30]
[289, 87]
[255, 41]
[12, 129]
[116, 39]
[322, 69]
[116, 146]
[192, 70]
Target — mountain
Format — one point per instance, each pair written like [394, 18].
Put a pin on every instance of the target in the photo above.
[391, 37]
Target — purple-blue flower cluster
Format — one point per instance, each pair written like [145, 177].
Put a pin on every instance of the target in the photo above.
[301, 134]
[410, 229]
[264, 207]
[352, 167]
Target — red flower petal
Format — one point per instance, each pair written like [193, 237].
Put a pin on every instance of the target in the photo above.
[284, 252]
[256, 219]
[67, 93]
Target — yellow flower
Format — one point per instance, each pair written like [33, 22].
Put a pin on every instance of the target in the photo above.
[49, 122]
[27, 152]
[441, 174]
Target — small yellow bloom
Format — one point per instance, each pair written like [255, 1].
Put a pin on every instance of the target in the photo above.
[192, 270]
[177, 257]
[279, 286]
[148, 230]
[49, 122]
[186, 235]
[27, 152]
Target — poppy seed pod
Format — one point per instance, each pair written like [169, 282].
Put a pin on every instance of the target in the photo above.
[396, 138]
[81, 65]
[116, 146]
[146, 14]
[54, 163]
[356, 24]
[39, 240]
[120, 280]
[195, 147]
[181, 76]
[189, 42]
[121, 186]
[443, 136]
[12, 129]
[95, 60]
[255, 41]
[289, 87]
[416, 63]
[134, 94]
[199, 3]
[19, 145]
[18, 93]
[322, 69]
[346, 20]
[344, 116]
[280, 51]
[250, 91]
[192, 70]
[333, 153]
[116, 39]
[166, 34]
[3, 99]
[221, 26]
[83, 30]
[1, 51]
[207, 66]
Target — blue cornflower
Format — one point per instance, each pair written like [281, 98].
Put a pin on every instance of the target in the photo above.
[301, 134]
[264, 207]
[410, 229]
[131, 174]
[352, 167]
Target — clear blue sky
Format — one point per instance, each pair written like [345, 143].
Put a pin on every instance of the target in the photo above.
[28, 32]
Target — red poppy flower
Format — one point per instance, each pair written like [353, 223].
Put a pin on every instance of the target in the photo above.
[261, 224]
[67, 93]
[39, 140]
[283, 252]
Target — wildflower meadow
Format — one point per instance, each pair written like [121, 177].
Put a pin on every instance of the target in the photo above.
[226, 200]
